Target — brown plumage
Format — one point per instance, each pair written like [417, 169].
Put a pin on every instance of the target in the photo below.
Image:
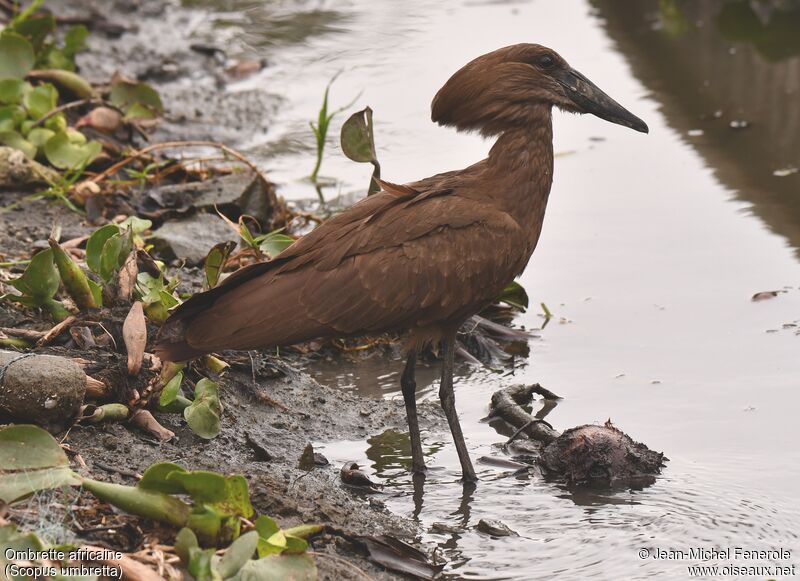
[423, 256]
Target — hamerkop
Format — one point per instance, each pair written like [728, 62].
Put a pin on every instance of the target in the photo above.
[421, 257]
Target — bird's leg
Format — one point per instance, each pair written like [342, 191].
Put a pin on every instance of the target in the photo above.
[448, 399]
[409, 386]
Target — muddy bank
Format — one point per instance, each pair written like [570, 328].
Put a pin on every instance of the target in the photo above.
[269, 416]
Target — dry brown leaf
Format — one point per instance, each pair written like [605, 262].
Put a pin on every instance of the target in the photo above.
[134, 332]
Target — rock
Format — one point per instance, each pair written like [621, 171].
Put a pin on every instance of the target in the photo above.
[601, 456]
[18, 172]
[191, 239]
[43, 389]
[495, 528]
[243, 190]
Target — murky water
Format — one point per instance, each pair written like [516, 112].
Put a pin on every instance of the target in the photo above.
[651, 250]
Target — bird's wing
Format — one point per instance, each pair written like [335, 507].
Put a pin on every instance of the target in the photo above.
[392, 260]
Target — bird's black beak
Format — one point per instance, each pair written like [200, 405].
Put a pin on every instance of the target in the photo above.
[589, 98]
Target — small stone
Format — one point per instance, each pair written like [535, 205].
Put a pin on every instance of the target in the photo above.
[191, 239]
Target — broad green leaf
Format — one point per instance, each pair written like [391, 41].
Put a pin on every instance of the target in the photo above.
[36, 28]
[31, 460]
[75, 40]
[184, 542]
[12, 91]
[157, 477]
[114, 252]
[274, 243]
[66, 154]
[137, 225]
[203, 416]
[215, 260]
[279, 568]
[203, 486]
[304, 531]
[138, 100]
[357, 138]
[38, 136]
[56, 123]
[11, 116]
[358, 143]
[73, 82]
[295, 545]
[201, 565]
[41, 100]
[40, 279]
[240, 551]
[206, 522]
[16, 56]
[514, 294]
[141, 501]
[170, 392]
[17, 141]
[94, 246]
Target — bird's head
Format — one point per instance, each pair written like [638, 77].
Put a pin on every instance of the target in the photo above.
[510, 87]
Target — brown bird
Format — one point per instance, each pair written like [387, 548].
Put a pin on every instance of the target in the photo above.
[421, 257]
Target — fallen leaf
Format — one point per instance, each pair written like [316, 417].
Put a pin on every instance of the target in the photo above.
[134, 332]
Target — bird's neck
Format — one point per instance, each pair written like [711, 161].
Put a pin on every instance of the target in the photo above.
[520, 166]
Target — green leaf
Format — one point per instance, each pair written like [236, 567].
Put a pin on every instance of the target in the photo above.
[40, 280]
[36, 29]
[113, 255]
[73, 82]
[56, 123]
[357, 138]
[137, 225]
[157, 477]
[75, 40]
[274, 243]
[184, 542]
[170, 392]
[206, 522]
[279, 568]
[201, 565]
[41, 100]
[38, 136]
[141, 501]
[95, 243]
[97, 292]
[16, 56]
[304, 531]
[240, 551]
[31, 460]
[358, 142]
[12, 91]
[202, 485]
[138, 100]
[295, 545]
[17, 141]
[66, 154]
[203, 416]
[11, 116]
[514, 294]
[215, 260]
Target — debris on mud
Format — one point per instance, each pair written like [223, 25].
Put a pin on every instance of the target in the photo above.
[589, 455]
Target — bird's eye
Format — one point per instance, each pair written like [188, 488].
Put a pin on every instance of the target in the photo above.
[545, 61]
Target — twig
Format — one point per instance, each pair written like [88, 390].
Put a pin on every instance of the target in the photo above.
[114, 470]
[176, 144]
[28, 334]
[55, 331]
[70, 105]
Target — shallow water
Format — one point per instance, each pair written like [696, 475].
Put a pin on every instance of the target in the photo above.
[651, 250]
